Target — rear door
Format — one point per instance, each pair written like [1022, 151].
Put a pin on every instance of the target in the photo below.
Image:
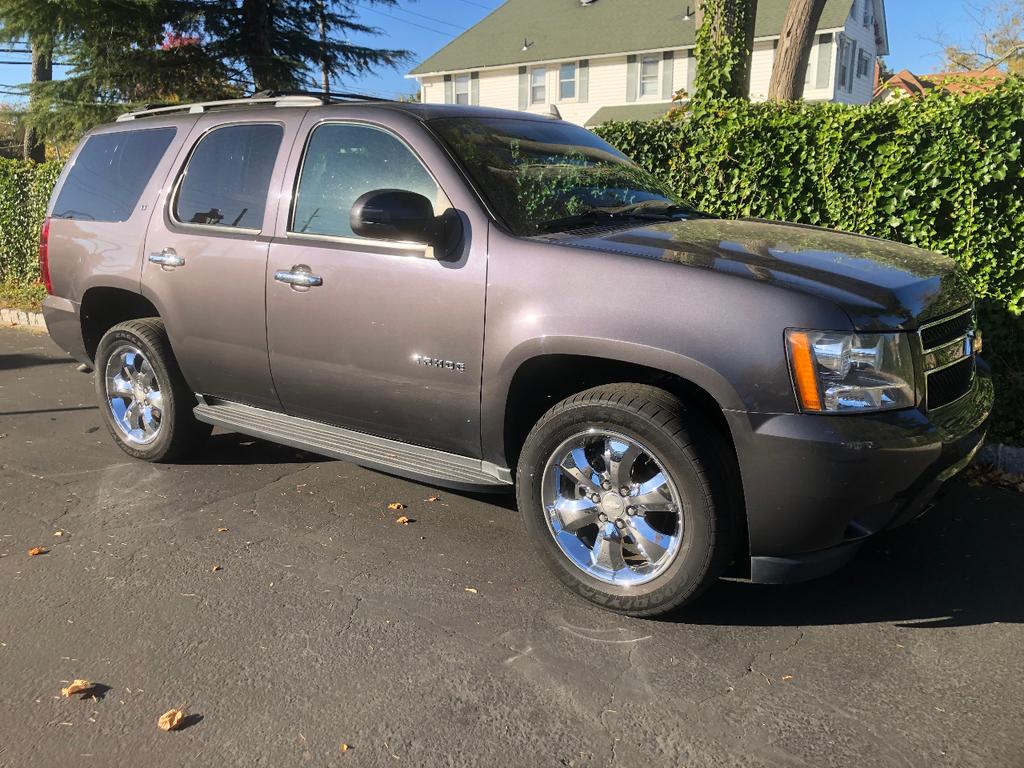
[206, 253]
[391, 341]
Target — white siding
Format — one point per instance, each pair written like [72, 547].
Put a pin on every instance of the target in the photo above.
[762, 61]
[864, 38]
[499, 87]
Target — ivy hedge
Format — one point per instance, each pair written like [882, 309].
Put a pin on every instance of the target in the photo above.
[24, 192]
[944, 173]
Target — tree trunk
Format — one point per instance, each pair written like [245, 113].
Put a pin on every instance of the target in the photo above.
[257, 23]
[325, 71]
[42, 71]
[790, 69]
[733, 20]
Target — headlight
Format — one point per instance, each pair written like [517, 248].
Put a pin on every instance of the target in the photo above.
[851, 372]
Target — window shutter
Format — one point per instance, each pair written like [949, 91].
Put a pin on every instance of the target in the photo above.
[853, 65]
[691, 72]
[667, 73]
[524, 88]
[824, 74]
[474, 88]
[449, 90]
[632, 76]
[583, 84]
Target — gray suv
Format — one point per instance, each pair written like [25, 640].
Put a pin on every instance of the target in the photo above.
[489, 301]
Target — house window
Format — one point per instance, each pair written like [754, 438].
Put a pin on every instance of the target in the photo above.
[649, 67]
[538, 85]
[863, 64]
[462, 89]
[868, 20]
[567, 81]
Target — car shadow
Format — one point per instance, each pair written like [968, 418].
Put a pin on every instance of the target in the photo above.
[233, 448]
[15, 360]
[958, 566]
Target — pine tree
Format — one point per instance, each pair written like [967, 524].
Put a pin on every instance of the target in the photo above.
[136, 52]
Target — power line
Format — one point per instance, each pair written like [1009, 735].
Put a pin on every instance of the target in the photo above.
[411, 23]
[430, 18]
[478, 5]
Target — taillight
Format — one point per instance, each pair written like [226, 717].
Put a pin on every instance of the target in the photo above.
[44, 255]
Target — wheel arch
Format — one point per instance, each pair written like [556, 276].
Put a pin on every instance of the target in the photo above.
[554, 371]
[103, 307]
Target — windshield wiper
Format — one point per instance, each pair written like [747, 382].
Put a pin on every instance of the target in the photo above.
[603, 216]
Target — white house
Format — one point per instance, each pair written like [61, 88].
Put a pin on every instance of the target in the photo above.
[599, 60]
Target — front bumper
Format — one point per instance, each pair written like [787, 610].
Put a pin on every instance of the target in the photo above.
[816, 487]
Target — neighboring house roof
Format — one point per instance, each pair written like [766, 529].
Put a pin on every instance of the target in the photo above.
[560, 29]
[906, 83]
[629, 112]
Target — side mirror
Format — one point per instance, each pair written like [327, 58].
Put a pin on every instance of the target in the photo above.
[397, 214]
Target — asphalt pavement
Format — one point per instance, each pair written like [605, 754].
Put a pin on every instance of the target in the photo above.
[271, 595]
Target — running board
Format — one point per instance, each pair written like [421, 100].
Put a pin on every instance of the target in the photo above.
[391, 456]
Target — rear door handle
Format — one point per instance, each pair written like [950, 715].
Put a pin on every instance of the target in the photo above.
[167, 258]
[298, 276]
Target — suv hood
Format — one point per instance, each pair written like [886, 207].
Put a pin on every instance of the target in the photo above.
[881, 285]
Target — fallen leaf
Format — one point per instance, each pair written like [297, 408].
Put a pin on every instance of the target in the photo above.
[344, 747]
[403, 520]
[170, 720]
[470, 589]
[77, 686]
[787, 677]
[215, 569]
[223, 530]
[434, 498]
[37, 551]
[58, 533]
[396, 505]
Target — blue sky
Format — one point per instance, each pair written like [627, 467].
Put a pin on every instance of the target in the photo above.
[424, 26]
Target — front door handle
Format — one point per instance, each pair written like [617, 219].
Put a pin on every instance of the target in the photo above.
[167, 258]
[298, 276]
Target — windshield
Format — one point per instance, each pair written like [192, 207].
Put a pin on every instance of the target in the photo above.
[543, 176]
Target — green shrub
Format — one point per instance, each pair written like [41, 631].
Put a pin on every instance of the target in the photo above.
[943, 173]
[24, 192]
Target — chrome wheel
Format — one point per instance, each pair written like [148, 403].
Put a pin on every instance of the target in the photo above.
[612, 508]
[133, 394]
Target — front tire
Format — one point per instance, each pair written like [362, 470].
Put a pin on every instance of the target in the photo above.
[145, 402]
[626, 494]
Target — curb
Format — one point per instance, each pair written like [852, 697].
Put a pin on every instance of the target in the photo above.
[1006, 458]
[21, 317]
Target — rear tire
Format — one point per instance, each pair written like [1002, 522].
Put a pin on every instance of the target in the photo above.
[144, 400]
[649, 521]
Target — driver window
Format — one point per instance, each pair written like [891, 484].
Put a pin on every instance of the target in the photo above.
[345, 161]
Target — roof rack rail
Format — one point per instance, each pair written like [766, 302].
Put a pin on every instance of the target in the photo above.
[290, 100]
[330, 96]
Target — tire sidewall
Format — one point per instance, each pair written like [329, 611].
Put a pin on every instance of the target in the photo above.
[113, 339]
[687, 574]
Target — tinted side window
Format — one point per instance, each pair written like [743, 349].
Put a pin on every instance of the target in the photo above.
[227, 177]
[342, 163]
[110, 173]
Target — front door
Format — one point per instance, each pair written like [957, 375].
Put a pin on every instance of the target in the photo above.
[206, 257]
[388, 339]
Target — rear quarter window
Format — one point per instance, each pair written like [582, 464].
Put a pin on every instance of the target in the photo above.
[110, 173]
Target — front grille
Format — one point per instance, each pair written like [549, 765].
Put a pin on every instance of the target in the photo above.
[950, 384]
[945, 331]
[948, 358]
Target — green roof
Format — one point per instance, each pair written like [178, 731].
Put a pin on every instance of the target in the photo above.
[629, 112]
[564, 29]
